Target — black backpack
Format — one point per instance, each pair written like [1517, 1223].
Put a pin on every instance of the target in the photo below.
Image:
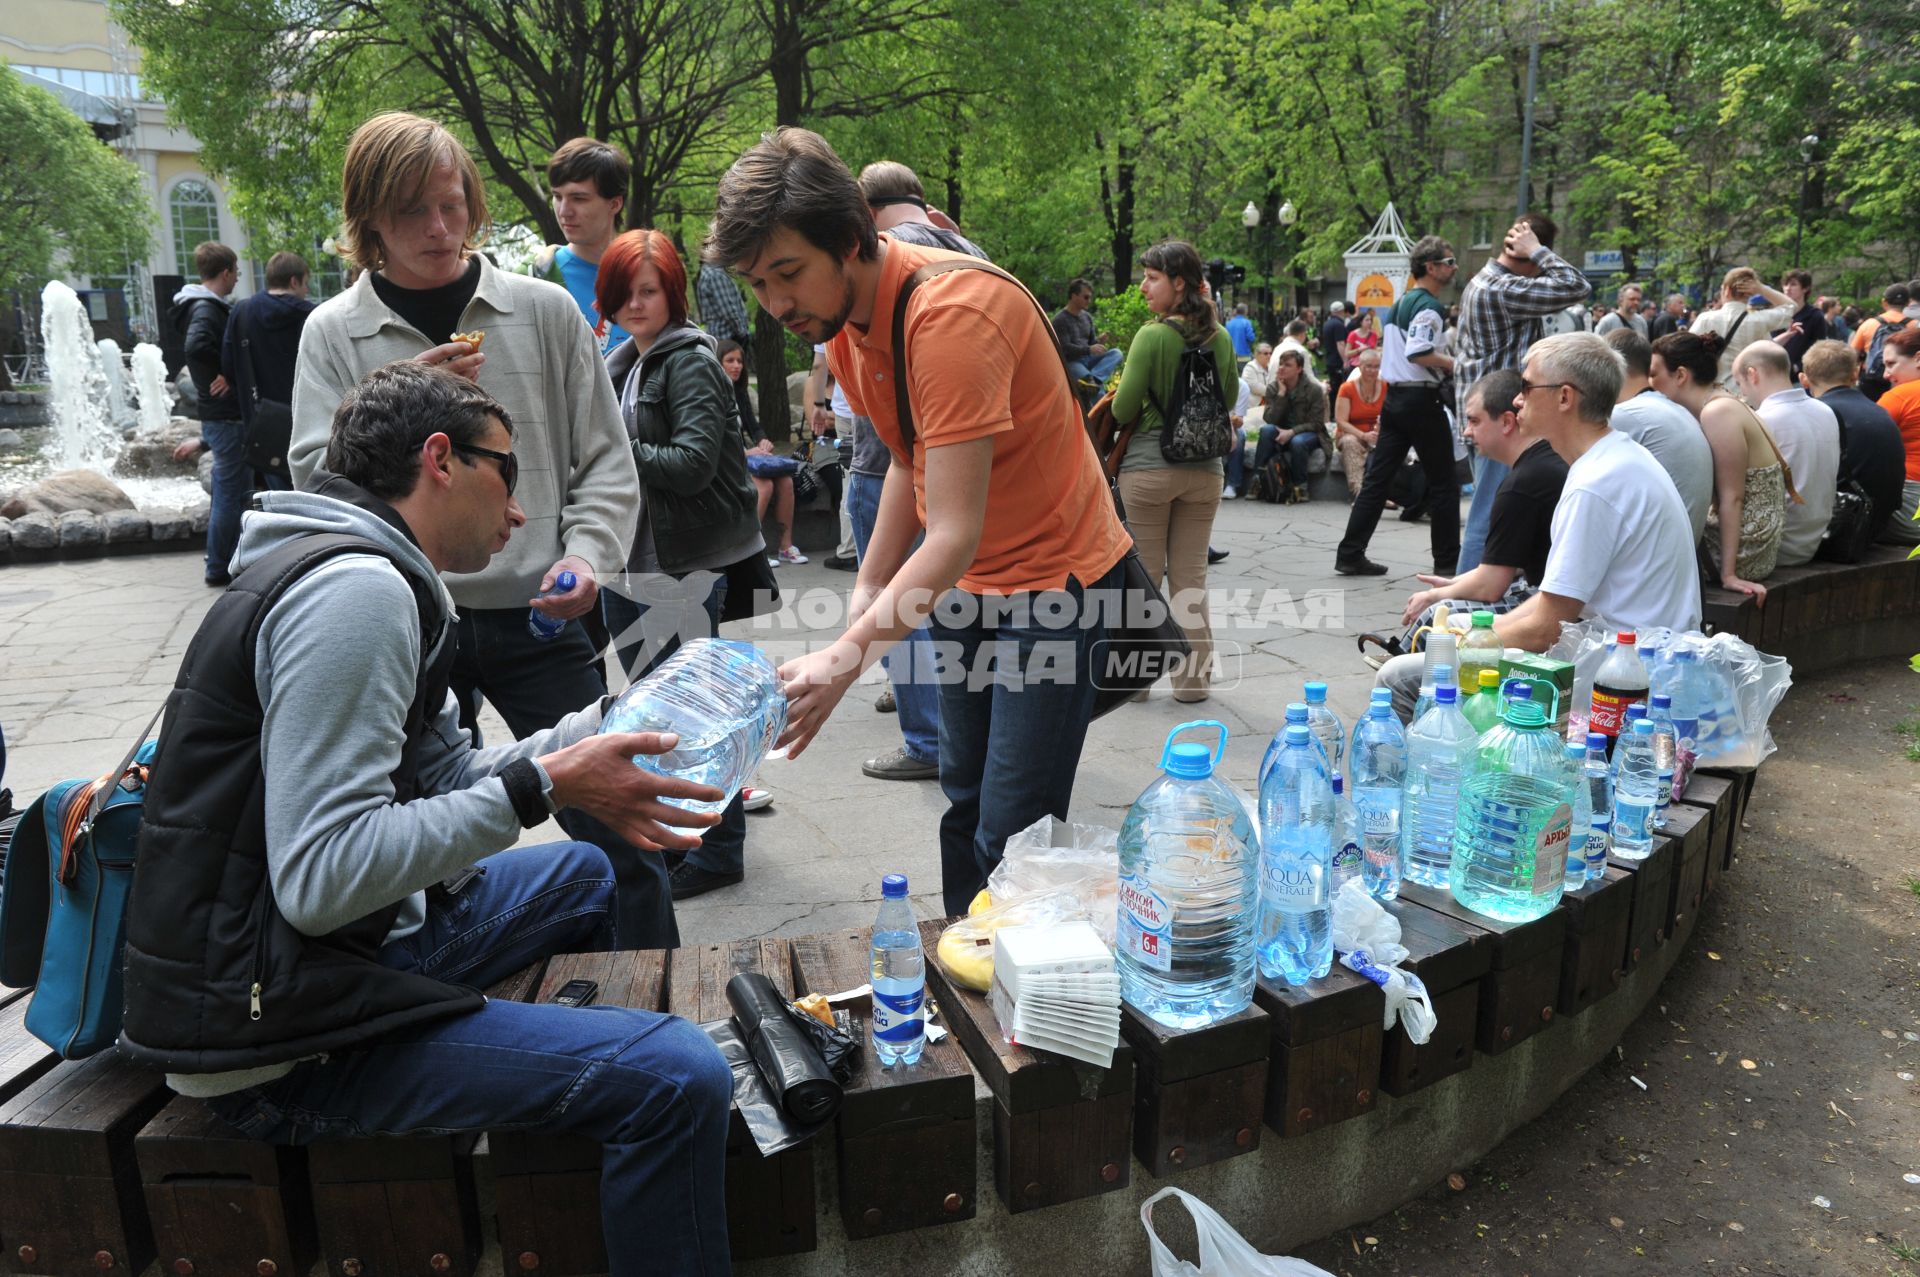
[1193, 422]
[1873, 376]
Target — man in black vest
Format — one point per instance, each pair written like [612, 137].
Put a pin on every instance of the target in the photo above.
[309, 929]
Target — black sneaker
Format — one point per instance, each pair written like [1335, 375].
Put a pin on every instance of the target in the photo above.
[843, 563]
[1359, 567]
[1215, 556]
[218, 580]
[689, 881]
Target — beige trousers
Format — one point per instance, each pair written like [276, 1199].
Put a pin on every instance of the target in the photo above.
[1353, 460]
[1170, 513]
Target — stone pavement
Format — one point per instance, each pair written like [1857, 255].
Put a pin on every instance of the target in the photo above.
[89, 649]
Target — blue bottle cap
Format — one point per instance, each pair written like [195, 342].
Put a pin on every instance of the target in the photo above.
[1296, 712]
[893, 886]
[1643, 727]
[1297, 734]
[1380, 696]
[1576, 750]
[1662, 701]
[565, 582]
[1442, 673]
[1637, 710]
[1339, 783]
[1596, 740]
[1316, 693]
[1446, 694]
[1191, 760]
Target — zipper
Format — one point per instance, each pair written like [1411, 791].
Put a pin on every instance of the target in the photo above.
[263, 916]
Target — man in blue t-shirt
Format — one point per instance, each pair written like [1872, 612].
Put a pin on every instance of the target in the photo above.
[1240, 328]
[588, 182]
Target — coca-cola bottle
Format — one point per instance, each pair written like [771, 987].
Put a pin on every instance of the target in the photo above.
[1621, 681]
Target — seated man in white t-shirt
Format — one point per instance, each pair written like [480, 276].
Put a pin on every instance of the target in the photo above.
[1622, 547]
[1808, 436]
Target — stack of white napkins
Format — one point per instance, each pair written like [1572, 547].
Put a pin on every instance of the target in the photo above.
[1055, 988]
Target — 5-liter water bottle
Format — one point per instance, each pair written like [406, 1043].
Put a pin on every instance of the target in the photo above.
[1665, 752]
[1516, 814]
[1295, 938]
[1576, 755]
[1636, 793]
[1346, 836]
[1189, 887]
[1297, 712]
[1379, 766]
[724, 700]
[1325, 724]
[539, 624]
[1480, 649]
[899, 978]
[1441, 651]
[1438, 749]
[1599, 777]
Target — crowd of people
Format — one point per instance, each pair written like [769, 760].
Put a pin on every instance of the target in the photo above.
[327, 872]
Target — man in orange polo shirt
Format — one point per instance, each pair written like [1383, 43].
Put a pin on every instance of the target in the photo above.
[1019, 525]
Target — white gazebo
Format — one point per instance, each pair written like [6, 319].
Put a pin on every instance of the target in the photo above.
[1376, 263]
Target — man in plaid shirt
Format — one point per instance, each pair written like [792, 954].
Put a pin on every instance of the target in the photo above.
[1503, 311]
[722, 312]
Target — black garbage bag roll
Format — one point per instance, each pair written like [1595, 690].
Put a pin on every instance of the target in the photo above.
[791, 1064]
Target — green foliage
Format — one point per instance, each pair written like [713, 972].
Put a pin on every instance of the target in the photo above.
[65, 196]
[1121, 316]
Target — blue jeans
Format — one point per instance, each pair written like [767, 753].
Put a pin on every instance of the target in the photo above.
[1488, 475]
[1299, 451]
[652, 1089]
[232, 489]
[915, 694]
[1015, 699]
[723, 848]
[1237, 463]
[1099, 369]
[535, 683]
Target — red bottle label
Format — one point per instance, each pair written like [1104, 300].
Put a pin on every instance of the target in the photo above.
[1610, 708]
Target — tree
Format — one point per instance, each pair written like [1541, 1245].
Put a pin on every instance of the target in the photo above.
[68, 201]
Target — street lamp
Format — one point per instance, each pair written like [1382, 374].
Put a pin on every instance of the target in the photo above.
[1809, 147]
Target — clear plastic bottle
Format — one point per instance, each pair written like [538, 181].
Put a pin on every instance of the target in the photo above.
[1582, 816]
[1438, 676]
[1620, 681]
[1346, 836]
[1438, 749]
[724, 700]
[1483, 707]
[1694, 709]
[1379, 762]
[1636, 796]
[1599, 776]
[1516, 815]
[1297, 712]
[1442, 648]
[1665, 752]
[1599, 843]
[1481, 649]
[1325, 724]
[539, 624]
[899, 978]
[1189, 889]
[1296, 864]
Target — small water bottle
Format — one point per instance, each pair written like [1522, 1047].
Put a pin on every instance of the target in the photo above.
[899, 978]
[539, 624]
[1295, 939]
[1635, 793]
[1325, 724]
[1599, 840]
[1666, 752]
[1297, 712]
[1379, 761]
[1599, 776]
[1582, 816]
[1346, 836]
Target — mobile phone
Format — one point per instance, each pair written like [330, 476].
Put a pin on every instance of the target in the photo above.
[577, 993]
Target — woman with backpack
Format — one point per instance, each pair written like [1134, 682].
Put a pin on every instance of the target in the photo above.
[1179, 368]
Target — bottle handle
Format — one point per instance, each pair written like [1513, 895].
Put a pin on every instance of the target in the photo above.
[1219, 752]
[1536, 682]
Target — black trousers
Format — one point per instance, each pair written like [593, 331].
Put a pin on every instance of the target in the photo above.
[1412, 418]
[534, 684]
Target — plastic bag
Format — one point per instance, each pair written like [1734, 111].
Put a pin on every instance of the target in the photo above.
[1367, 939]
[965, 949]
[1223, 1251]
[1748, 685]
[1056, 855]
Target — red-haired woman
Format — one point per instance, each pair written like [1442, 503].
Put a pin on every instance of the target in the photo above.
[697, 506]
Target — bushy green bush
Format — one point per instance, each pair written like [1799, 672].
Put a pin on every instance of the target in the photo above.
[1121, 316]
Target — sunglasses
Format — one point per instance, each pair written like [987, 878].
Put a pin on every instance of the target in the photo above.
[1528, 387]
[1448, 261]
[509, 464]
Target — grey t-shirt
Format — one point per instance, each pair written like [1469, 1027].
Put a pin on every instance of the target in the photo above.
[1676, 441]
[870, 455]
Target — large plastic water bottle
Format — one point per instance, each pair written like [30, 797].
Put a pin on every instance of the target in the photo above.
[1480, 649]
[539, 624]
[1346, 836]
[1516, 815]
[1693, 709]
[1297, 712]
[724, 700]
[1189, 887]
[1438, 748]
[1379, 763]
[1665, 752]
[1296, 862]
[1599, 777]
[1636, 793]
[899, 978]
[1325, 724]
[1576, 754]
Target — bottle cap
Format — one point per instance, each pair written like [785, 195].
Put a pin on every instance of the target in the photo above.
[1643, 727]
[1637, 710]
[1662, 701]
[1483, 620]
[1296, 712]
[565, 582]
[1297, 734]
[1446, 694]
[1625, 637]
[1316, 693]
[1576, 750]
[1489, 678]
[1596, 740]
[1339, 783]
[1192, 760]
[893, 886]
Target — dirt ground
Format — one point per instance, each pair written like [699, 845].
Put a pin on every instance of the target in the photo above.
[1779, 1131]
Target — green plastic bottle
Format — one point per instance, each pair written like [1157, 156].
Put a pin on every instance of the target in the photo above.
[1483, 707]
[1480, 649]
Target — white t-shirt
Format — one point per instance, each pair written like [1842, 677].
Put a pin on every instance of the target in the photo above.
[1621, 543]
[841, 408]
[1745, 326]
[1808, 436]
[1676, 441]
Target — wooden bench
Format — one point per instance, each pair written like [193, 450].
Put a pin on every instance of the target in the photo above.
[1323, 1063]
[1824, 615]
[220, 1202]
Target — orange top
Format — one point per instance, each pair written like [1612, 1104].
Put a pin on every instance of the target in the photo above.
[1863, 335]
[1903, 405]
[1362, 415]
[982, 362]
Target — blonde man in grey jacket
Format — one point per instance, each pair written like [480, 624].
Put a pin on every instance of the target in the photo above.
[415, 213]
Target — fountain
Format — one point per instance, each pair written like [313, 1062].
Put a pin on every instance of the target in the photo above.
[82, 412]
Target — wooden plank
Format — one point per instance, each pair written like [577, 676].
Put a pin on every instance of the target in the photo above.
[1717, 794]
[396, 1206]
[1522, 983]
[1323, 1062]
[1450, 960]
[920, 1116]
[70, 1195]
[1690, 829]
[1652, 887]
[221, 1202]
[520, 986]
[24, 1059]
[1593, 962]
[1199, 1095]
